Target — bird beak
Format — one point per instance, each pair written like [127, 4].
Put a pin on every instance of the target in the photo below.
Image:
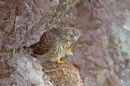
[75, 39]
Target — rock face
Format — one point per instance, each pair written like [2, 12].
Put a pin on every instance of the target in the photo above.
[101, 54]
[62, 74]
[6, 6]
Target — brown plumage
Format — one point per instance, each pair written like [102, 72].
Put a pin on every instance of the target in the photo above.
[54, 44]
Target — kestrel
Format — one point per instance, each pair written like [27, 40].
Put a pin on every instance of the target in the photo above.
[54, 44]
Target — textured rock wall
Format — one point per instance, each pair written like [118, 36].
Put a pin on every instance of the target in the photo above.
[15, 68]
[101, 54]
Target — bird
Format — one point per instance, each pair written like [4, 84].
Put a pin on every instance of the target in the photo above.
[54, 44]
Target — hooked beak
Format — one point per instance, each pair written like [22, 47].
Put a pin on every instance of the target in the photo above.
[75, 39]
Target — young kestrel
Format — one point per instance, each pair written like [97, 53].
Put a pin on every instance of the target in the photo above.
[54, 44]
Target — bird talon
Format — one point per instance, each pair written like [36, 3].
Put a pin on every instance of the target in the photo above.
[60, 62]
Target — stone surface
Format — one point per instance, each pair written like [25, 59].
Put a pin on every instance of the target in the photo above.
[62, 74]
[101, 54]
[6, 6]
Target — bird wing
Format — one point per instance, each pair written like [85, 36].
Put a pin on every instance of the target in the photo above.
[46, 41]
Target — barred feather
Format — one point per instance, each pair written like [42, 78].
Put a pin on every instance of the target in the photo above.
[53, 44]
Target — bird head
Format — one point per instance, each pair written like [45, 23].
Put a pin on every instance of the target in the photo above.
[71, 34]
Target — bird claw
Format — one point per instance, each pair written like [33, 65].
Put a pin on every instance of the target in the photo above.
[60, 62]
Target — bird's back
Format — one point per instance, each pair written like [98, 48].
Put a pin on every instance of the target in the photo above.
[45, 43]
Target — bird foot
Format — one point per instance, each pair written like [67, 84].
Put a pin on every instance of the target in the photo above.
[60, 62]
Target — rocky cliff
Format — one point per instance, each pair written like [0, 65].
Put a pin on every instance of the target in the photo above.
[101, 54]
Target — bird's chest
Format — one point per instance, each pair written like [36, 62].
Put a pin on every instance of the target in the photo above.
[62, 48]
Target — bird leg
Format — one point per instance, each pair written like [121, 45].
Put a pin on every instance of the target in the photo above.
[70, 50]
[61, 62]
